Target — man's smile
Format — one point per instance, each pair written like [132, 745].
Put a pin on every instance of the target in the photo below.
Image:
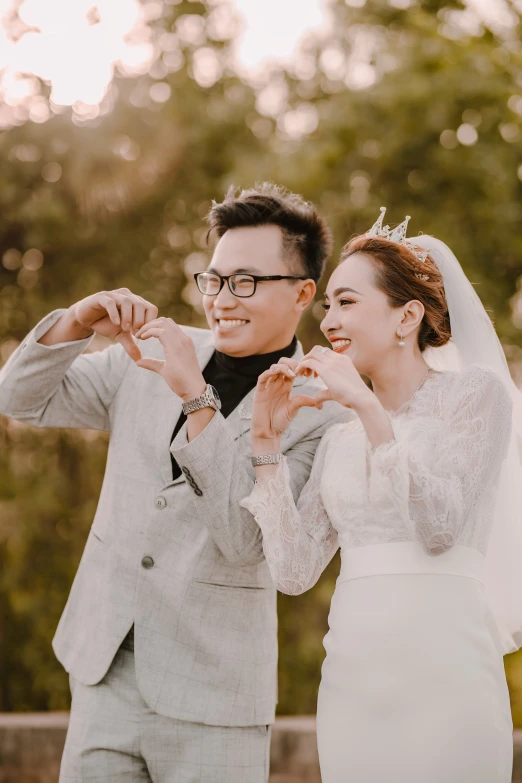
[231, 323]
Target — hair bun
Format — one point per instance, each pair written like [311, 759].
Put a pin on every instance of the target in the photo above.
[403, 278]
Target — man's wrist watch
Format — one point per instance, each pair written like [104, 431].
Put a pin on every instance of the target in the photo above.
[209, 399]
[266, 459]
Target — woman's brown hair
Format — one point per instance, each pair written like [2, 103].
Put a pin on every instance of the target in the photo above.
[402, 277]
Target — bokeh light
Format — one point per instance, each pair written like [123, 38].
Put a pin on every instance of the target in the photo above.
[73, 49]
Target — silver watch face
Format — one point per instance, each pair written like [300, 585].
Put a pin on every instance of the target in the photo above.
[214, 392]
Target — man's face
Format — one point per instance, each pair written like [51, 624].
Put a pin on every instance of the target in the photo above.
[266, 321]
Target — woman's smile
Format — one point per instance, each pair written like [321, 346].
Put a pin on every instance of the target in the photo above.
[340, 344]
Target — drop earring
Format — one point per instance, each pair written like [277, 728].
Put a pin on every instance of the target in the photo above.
[401, 341]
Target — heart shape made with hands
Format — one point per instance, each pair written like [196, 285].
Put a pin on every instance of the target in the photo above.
[337, 371]
[286, 371]
[126, 340]
[116, 314]
[179, 367]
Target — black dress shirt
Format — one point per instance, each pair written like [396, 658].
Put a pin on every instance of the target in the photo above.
[233, 377]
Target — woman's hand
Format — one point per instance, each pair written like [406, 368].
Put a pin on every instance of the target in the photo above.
[273, 407]
[338, 373]
[180, 368]
[346, 386]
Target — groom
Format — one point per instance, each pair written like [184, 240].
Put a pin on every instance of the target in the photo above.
[169, 633]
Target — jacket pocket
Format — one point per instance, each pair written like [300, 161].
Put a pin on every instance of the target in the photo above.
[216, 583]
[97, 536]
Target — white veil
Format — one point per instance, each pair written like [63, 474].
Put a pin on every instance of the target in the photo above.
[474, 340]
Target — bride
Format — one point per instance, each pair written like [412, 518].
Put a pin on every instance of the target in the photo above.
[420, 492]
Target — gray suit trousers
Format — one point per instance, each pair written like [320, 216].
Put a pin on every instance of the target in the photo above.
[114, 737]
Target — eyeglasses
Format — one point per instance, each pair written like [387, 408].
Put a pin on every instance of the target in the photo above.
[210, 283]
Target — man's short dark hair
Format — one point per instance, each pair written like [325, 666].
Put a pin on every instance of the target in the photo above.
[306, 236]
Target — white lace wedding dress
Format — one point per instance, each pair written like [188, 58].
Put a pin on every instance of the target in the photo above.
[413, 687]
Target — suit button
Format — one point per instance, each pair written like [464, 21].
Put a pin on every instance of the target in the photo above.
[147, 561]
[186, 471]
[160, 502]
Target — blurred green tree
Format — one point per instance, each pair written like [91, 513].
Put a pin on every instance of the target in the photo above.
[414, 105]
[115, 201]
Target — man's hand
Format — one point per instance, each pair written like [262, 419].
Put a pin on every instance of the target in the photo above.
[116, 314]
[180, 368]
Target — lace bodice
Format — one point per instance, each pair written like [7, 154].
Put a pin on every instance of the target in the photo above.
[436, 482]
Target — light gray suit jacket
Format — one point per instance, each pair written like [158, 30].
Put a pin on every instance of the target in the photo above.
[181, 560]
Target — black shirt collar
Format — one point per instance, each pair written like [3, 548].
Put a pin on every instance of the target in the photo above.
[256, 364]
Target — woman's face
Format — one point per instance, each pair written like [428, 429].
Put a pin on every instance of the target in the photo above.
[359, 321]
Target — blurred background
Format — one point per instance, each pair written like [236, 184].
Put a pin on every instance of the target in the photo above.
[120, 121]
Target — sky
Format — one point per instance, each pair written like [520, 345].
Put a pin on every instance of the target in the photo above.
[75, 45]
[264, 39]
[65, 37]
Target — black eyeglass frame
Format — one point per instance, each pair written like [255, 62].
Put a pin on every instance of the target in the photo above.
[255, 278]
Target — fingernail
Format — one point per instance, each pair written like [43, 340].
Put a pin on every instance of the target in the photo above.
[291, 373]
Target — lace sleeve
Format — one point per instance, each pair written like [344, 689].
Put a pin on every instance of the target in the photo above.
[298, 541]
[436, 499]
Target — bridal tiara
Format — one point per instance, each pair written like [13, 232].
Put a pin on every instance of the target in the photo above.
[398, 235]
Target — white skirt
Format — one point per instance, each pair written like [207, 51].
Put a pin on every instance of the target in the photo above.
[413, 688]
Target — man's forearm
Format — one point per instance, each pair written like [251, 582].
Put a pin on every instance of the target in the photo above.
[223, 478]
[65, 330]
[54, 386]
[198, 421]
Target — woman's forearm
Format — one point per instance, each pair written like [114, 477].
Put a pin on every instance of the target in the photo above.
[375, 421]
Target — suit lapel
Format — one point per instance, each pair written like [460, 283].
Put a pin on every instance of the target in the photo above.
[168, 412]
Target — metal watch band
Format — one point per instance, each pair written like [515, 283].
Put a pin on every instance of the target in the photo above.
[195, 405]
[204, 401]
[266, 459]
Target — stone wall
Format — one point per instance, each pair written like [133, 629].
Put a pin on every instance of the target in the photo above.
[31, 746]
